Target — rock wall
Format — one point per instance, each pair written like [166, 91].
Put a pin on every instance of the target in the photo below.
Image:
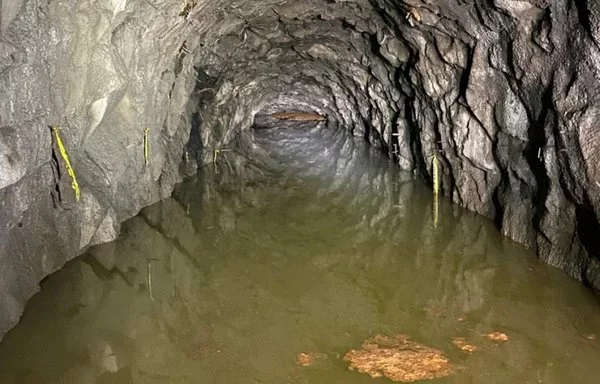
[103, 72]
[504, 92]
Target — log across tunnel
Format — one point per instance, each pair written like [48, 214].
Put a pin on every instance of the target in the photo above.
[505, 93]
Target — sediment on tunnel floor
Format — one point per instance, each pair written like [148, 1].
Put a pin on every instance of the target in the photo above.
[504, 93]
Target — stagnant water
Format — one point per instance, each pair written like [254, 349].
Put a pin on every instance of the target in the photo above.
[232, 278]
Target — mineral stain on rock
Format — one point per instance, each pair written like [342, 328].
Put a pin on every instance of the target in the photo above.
[399, 359]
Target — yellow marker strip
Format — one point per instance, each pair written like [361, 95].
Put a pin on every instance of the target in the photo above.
[436, 211]
[436, 189]
[215, 155]
[146, 145]
[65, 156]
[217, 152]
[436, 175]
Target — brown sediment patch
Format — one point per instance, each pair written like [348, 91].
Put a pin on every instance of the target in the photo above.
[462, 344]
[202, 345]
[399, 359]
[201, 351]
[497, 337]
[305, 359]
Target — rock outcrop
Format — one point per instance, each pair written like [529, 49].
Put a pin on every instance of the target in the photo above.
[504, 92]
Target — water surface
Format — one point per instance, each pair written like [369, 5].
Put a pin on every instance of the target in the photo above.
[231, 279]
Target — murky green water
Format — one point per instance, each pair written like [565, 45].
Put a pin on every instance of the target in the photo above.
[228, 283]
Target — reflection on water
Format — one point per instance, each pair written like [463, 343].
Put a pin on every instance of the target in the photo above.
[228, 281]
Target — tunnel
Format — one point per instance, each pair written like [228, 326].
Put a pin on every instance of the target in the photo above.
[107, 106]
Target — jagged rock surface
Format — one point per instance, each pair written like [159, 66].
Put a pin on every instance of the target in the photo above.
[506, 93]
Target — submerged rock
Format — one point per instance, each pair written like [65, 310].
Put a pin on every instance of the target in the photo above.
[308, 359]
[498, 337]
[463, 345]
[399, 359]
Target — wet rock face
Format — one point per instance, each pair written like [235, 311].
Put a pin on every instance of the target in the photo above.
[504, 92]
[104, 72]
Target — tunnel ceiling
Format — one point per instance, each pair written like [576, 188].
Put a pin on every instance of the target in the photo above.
[504, 93]
[358, 62]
